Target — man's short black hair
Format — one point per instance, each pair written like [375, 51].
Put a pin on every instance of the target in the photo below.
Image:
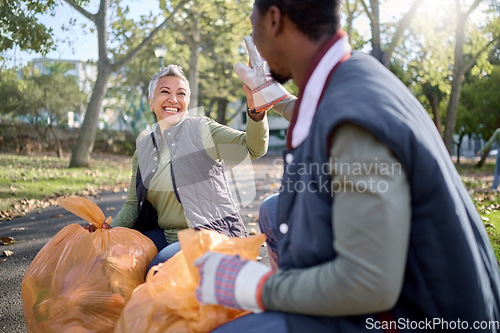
[313, 17]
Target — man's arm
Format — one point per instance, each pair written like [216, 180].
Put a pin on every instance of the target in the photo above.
[494, 138]
[285, 107]
[371, 235]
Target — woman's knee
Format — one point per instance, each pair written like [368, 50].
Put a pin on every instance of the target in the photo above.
[268, 214]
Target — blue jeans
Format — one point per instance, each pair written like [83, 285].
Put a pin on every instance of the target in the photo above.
[268, 223]
[165, 250]
[496, 177]
[256, 323]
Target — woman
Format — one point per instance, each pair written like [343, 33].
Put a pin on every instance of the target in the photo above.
[178, 177]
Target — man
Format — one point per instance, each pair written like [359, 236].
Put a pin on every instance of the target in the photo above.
[372, 229]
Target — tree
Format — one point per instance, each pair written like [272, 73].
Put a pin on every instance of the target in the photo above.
[352, 10]
[463, 62]
[222, 25]
[42, 98]
[384, 54]
[21, 27]
[10, 93]
[56, 95]
[213, 32]
[426, 53]
[105, 67]
[481, 102]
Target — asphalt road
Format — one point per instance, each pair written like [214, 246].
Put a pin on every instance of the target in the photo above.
[35, 229]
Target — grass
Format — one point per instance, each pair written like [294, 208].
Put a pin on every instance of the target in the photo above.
[478, 182]
[29, 182]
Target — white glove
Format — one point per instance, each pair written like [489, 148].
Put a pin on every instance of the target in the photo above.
[265, 91]
[231, 281]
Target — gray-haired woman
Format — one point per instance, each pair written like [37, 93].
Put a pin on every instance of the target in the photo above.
[178, 174]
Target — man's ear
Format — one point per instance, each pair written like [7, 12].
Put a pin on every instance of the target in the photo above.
[276, 17]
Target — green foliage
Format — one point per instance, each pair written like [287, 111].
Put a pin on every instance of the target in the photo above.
[221, 26]
[42, 97]
[10, 93]
[481, 104]
[20, 26]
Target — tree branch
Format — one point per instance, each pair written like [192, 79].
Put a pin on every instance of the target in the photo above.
[117, 65]
[473, 60]
[473, 7]
[184, 33]
[82, 11]
[367, 10]
[402, 26]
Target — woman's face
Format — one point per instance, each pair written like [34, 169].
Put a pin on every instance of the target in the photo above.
[170, 100]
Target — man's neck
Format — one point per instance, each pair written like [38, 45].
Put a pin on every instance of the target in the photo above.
[303, 54]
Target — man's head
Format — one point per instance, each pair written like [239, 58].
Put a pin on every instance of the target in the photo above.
[312, 17]
[274, 21]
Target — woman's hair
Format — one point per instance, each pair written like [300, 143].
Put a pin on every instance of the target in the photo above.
[170, 70]
[312, 17]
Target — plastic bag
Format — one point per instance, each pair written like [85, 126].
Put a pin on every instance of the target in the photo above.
[166, 302]
[81, 281]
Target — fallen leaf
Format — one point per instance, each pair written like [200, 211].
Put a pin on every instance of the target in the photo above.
[18, 229]
[7, 240]
[7, 253]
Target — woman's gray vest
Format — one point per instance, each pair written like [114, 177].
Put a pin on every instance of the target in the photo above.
[199, 181]
[451, 272]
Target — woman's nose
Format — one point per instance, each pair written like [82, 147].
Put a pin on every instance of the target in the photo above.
[172, 99]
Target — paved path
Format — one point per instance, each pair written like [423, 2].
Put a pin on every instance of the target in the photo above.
[35, 229]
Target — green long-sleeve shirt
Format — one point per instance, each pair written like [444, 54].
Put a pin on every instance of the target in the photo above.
[231, 145]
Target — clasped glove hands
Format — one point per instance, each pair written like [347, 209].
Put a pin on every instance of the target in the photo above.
[231, 281]
[265, 91]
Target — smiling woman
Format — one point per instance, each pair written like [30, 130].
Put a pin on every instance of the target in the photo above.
[169, 95]
[179, 165]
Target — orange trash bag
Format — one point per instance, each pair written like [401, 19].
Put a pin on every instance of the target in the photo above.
[81, 281]
[166, 302]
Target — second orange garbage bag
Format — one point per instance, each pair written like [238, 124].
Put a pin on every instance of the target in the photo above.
[166, 302]
[80, 281]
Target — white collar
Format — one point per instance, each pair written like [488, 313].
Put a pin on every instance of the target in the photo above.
[314, 88]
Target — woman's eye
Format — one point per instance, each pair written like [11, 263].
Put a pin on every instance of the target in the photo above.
[164, 91]
[182, 93]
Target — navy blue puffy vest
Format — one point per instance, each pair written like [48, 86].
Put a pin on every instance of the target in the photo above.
[451, 271]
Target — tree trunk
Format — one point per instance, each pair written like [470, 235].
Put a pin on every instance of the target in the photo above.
[221, 110]
[82, 151]
[483, 158]
[377, 50]
[435, 111]
[459, 145]
[350, 17]
[56, 139]
[459, 69]
[193, 62]
[433, 94]
[456, 84]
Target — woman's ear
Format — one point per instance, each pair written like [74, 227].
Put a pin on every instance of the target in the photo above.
[150, 101]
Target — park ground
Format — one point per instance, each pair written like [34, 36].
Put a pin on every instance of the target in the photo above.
[30, 217]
